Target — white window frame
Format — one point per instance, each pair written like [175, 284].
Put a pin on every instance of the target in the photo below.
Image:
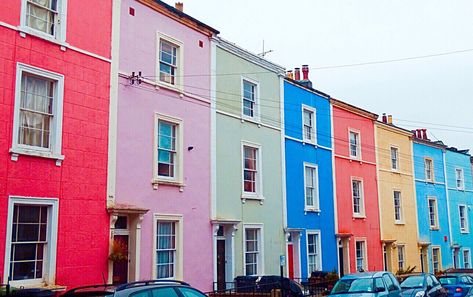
[395, 164]
[313, 127]
[316, 200]
[358, 148]
[401, 216]
[179, 260]
[362, 213]
[436, 226]
[365, 254]
[318, 253]
[60, 34]
[49, 265]
[259, 172]
[462, 179]
[55, 138]
[260, 257]
[178, 178]
[179, 76]
[439, 258]
[466, 228]
[257, 109]
[401, 256]
[468, 258]
[432, 172]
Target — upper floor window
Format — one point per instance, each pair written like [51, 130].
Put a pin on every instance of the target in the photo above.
[433, 213]
[357, 197]
[397, 206]
[311, 187]
[309, 124]
[169, 159]
[251, 171]
[460, 183]
[355, 144]
[44, 17]
[429, 169]
[249, 99]
[313, 252]
[170, 61]
[38, 112]
[394, 158]
[463, 215]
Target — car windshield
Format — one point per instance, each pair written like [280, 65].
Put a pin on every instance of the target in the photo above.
[448, 280]
[358, 285]
[411, 282]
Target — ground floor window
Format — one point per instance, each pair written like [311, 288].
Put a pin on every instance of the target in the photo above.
[313, 252]
[253, 250]
[400, 256]
[436, 259]
[360, 250]
[168, 253]
[466, 259]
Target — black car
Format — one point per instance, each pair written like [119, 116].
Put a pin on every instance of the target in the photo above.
[422, 284]
[151, 288]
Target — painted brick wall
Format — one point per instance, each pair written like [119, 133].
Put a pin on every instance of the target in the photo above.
[80, 183]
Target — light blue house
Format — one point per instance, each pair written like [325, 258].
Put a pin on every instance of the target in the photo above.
[432, 201]
[309, 179]
[460, 195]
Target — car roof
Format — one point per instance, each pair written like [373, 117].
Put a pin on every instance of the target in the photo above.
[135, 286]
[365, 275]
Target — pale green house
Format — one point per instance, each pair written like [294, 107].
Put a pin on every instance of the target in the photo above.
[248, 208]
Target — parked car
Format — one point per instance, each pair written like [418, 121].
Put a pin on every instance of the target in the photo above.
[458, 285]
[154, 288]
[367, 284]
[422, 284]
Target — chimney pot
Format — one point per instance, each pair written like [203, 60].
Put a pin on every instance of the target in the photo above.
[419, 133]
[179, 6]
[305, 72]
[297, 73]
[390, 119]
[385, 120]
[424, 134]
[290, 74]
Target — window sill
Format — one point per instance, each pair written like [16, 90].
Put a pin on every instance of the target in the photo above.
[311, 210]
[464, 231]
[359, 216]
[39, 34]
[434, 228]
[399, 223]
[15, 152]
[161, 84]
[164, 182]
[255, 197]
[306, 141]
[255, 120]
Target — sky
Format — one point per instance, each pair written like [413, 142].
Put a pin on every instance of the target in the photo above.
[434, 92]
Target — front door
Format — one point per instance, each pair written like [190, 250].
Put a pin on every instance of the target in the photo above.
[290, 255]
[120, 265]
[340, 258]
[221, 285]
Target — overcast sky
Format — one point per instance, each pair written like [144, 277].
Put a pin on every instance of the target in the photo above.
[436, 90]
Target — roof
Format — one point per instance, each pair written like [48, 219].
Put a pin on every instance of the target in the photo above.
[179, 16]
[464, 151]
[438, 143]
[395, 128]
[370, 274]
[354, 109]
[300, 84]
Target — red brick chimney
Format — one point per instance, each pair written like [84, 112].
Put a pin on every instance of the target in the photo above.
[179, 6]
[305, 72]
[297, 73]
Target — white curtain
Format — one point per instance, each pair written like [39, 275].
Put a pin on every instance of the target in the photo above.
[40, 18]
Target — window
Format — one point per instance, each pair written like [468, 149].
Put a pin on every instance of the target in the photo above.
[313, 252]
[463, 218]
[397, 206]
[429, 169]
[466, 259]
[249, 99]
[38, 113]
[170, 68]
[459, 179]
[253, 250]
[169, 156]
[357, 195]
[252, 187]
[311, 187]
[43, 17]
[436, 259]
[394, 158]
[309, 124]
[31, 240]
[360, 249]
[168, 247]
[400, 257]
[433, 213]
[389, 282]
[355, 145]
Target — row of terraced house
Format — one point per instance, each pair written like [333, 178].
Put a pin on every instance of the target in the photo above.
[138, 144]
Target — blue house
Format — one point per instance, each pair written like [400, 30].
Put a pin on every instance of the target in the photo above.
[311, 242]
[460, 196]
[432, 204]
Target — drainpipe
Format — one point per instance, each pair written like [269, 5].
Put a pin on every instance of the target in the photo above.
[448, 200]
[334, 190]
[213, 148]
[415, 195]
[283, 165]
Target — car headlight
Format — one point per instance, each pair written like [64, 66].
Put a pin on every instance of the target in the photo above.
[420, 294]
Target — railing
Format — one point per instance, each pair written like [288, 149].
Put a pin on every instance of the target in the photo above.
[315, 287]
[9, 291]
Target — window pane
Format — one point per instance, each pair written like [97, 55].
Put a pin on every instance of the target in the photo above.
[164, 292]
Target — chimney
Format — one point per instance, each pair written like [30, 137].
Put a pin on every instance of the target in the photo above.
[305, 72]
[297, 73]
[385, 119]
[414, 133]
[424, 134]
[390, 119]
[179, 6]
[289, 74]
[419, 133]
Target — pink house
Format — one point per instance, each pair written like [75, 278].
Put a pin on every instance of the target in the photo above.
[159, 177]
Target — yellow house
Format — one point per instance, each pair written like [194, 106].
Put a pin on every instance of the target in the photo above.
[397, 200]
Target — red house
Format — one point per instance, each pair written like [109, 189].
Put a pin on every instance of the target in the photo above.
[356, 189]
[54, 103]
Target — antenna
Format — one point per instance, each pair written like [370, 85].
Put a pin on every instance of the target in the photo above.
[264, 53]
